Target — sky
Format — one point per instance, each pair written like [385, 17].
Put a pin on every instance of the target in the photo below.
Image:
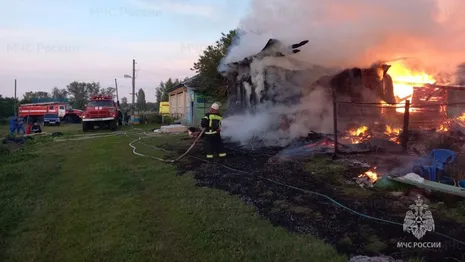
[51, 43]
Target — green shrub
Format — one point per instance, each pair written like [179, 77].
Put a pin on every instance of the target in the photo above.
[157, 119]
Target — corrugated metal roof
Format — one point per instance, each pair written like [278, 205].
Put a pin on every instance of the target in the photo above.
[191, 82]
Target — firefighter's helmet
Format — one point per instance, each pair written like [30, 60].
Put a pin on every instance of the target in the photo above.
[216, 106]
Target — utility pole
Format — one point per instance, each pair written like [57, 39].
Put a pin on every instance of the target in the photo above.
[15, 101]
[133, 85]
[116, 86]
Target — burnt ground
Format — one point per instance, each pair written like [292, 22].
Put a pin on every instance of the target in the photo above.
[306, 213]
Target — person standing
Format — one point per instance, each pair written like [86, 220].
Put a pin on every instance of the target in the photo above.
[212, 124]
[146, 119]
[12, 125]
[20, 125]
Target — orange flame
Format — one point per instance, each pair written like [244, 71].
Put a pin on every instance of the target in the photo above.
[371, 175]
[443, 128]
[405, 79]
[355, 134]
[393, 133]
[462, 117]
[359, 131]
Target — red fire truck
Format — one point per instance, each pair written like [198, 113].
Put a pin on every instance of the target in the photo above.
[36, 111]
[101, 111]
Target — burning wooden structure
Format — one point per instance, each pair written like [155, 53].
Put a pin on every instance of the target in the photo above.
[385, 86]
[252, 82]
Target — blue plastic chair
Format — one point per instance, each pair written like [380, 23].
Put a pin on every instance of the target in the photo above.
[461, 183]
[437, 159]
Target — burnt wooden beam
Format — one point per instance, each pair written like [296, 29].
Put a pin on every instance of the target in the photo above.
[455, 87]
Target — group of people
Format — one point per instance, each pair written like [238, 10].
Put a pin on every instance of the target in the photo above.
[17, 126]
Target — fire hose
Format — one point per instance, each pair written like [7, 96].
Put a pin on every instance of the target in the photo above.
[165, 160]
[328, 198]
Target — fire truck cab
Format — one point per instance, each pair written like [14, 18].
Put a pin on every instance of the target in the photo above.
[102, 112]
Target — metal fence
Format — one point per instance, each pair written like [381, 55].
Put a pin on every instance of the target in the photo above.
[355, 122]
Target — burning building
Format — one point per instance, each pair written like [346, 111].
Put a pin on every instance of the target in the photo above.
[271, 86]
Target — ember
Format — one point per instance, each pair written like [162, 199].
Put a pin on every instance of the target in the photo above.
[367, 179]
[371, 175]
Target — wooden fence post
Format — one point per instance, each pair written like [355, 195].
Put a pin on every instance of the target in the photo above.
[405, 136]
[336, 150]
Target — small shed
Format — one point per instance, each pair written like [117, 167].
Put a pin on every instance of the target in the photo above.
[188, 104]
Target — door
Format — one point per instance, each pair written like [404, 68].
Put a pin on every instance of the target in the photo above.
[61, 111]
[192, 113]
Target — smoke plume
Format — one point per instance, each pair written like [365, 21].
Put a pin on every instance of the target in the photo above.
[341, 34]
[358, 32]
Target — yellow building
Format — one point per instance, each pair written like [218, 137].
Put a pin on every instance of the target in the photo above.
[164, 108]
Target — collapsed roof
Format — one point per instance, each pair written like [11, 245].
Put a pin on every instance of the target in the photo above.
[273, 47]
[251, 84]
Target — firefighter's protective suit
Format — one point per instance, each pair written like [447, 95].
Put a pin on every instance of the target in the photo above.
[212, 124]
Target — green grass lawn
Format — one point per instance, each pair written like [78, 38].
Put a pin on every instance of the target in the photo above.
[93, 200]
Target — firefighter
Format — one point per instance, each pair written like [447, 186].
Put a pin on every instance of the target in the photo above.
[212, 124]
[36, 128]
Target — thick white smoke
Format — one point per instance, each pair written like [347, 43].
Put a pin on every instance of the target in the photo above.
[341, 34]
[358, 32]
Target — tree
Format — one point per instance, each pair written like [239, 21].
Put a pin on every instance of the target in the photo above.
[92, 89]
[159, 92]
[109, 91]
[141, 103]
[169, 85]
[59, 94]
[211, 81]
[168, 88]
[31, 96]
[152, 106]
[78, 94]
[81, 92]
[7, 106]
[124, 104]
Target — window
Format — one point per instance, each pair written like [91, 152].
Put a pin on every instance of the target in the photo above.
[62, 107]
[50, 108]
[173, 103]
[104, 103]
